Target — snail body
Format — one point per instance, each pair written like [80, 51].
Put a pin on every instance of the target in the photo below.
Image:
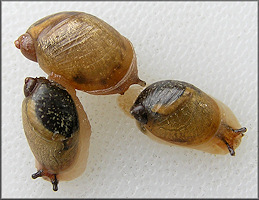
[177, 112]
[83, 49]
[57, 130]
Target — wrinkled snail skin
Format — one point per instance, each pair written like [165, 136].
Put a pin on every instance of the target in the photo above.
[176, 112]
[57, 130]
[87, 52]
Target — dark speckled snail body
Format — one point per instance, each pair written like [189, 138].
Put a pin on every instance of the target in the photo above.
[56, 128]
[87, 52]
[179, 113]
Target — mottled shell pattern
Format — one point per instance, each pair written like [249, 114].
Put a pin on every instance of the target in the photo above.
[80, 51]
[180, 113]
[52, 127]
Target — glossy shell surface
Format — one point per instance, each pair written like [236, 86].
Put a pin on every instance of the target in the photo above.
[87, 52]
[179, 113]
[56, 128]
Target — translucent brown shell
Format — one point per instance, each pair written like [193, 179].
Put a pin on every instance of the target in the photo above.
[87, 52]
[176, 112]
[56, 158]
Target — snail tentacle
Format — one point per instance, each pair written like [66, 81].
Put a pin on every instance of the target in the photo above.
[56, 128]
[179, 113]
[37, 174]
[52, 177]
[230, 148]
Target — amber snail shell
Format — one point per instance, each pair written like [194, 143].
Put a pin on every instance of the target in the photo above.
[57, 130]
[176, 112]
[84, 50]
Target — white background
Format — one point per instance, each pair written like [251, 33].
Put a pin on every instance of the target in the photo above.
[212, 45]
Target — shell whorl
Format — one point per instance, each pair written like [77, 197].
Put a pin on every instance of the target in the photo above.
[88, 52]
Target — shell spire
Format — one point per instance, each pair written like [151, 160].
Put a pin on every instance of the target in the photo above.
[86, 51]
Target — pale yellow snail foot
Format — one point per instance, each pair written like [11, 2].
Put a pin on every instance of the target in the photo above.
[179, 113]
[57, 157]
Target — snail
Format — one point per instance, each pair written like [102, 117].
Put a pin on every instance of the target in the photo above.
[84, 50]
[176, 112]
[56, 128]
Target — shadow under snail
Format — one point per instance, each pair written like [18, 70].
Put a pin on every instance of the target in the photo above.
[56, 128]
[84, 50]
[176, 112]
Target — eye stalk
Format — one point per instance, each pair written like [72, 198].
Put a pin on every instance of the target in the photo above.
[179, 113]
[26, 45]
[56, 126]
